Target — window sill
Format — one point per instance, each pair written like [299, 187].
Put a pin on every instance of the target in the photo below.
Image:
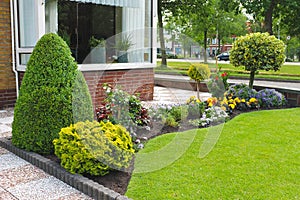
[105, 67]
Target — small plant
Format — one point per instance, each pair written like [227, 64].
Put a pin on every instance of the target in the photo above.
[241, 91]
[269, 98]
[94, 42]
[94, 148]
[170, 114]
[211, 116]
[123, 42]
[198, 72]
[218, 84]
[195, 107]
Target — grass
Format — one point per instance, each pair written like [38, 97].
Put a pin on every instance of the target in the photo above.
[256, 157]
[286, 72]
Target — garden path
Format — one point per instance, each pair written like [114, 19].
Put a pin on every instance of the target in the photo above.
[21, 180]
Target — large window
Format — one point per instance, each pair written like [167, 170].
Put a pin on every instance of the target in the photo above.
[125, 25]
[125, 28]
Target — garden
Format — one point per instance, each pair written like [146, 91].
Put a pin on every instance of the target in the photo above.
[207, 149]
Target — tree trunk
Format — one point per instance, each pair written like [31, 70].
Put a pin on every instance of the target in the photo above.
[251, 80]
[197, 86]
[161, 34]
[205, 46]
[268, 17]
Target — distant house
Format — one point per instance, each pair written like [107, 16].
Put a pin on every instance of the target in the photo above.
[23, 22]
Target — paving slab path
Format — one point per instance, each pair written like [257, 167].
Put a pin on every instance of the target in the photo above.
[20, 180]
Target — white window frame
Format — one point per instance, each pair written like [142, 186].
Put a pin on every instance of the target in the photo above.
[40, 8]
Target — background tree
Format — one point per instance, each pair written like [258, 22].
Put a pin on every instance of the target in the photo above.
[257, 51]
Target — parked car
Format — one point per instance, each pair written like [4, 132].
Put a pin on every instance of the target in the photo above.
[169, 53]
[223, 56]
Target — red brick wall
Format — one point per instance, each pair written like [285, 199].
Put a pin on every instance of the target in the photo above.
[7, 77]
[133, 81]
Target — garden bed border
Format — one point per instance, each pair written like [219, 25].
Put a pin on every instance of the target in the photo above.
[81, 183]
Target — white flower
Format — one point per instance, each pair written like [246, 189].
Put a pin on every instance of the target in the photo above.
[141, 146]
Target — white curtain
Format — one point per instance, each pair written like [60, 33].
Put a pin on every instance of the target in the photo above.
[133, 24]
[28, 24]
[120, 3]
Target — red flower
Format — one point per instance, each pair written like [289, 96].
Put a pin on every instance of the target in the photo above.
[224, 74]
[217, 78]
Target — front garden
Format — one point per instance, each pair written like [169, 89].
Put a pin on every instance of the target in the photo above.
[208, 153]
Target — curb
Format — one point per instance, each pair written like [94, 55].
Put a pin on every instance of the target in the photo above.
[81, 183]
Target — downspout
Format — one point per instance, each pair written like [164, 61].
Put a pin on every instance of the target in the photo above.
[13, 46]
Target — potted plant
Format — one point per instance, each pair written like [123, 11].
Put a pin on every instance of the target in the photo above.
[123, 43]
[98, 50]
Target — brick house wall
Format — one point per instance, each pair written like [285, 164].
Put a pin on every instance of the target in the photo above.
[7, 76]
[133, 81]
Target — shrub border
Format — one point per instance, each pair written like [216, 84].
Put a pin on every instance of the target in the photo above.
[81, 183]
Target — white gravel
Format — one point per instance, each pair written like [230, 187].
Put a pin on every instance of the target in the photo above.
[9, 160]
[46, 189]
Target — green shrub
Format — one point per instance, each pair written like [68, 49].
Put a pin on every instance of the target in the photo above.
[94, 148]
[53, 95]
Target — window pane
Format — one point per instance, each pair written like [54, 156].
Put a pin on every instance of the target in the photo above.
[79, 22]
[28, 32]
[24, 58]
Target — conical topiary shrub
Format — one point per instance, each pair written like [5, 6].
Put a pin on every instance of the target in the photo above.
[53, 95]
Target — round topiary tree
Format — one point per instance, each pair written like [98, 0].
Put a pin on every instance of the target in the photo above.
[257, 51]
[53, 95]
[198, 72]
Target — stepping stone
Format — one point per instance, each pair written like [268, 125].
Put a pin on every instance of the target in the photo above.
[4, 128]
[7, 120]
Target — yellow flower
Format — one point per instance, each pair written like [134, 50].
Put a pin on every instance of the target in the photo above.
[237, 100]
[232, 106]
[243, 100]
[253, 100]
[198, 101]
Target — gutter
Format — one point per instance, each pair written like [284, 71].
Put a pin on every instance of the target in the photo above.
[13, 46]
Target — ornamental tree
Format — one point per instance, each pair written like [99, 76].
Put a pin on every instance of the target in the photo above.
[53, 95]
[257, 51]
[198, 72]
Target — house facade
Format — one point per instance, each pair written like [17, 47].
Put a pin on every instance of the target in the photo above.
[113, 41]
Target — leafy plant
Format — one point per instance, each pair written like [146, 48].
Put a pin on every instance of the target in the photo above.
[94, 148]
[196, 107]
[53, 95]
[170, 114]
[94, 42]
[218, 84]
[198, 72]
[123, 42]
[257, 51]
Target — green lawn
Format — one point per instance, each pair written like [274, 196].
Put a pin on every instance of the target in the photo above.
[257, 156]
[287, 72]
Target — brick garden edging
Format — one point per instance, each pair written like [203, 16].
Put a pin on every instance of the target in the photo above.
[81, 183]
